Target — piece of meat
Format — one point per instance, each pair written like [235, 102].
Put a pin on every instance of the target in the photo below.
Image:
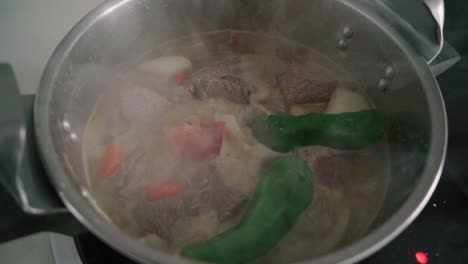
[230, 203]
[219, 81]
[247, 116]
[275, 105]
[298, 87]
[132, 175]
[329, 170]
[165, 217]
[206, 190]
[141, 105]
[201, 189]
[332, 169]
[214, 193]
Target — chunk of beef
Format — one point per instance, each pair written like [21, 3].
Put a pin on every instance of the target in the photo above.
[165, 217]
[332, 169]
[200, 189]
[203, 190]
[133, 174]
[229, 204]
[247, 116]
[275, 105]
[206, 189]
[219, 81]
[141, 105]
[298, 87]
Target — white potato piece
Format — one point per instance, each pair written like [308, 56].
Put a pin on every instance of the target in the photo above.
[167, 66]
[347, 100]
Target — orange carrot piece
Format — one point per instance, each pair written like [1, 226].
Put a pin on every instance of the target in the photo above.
[156, 192]
[112, 160]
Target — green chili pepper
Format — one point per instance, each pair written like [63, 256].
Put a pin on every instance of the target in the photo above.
[285, 190]
[350, 131]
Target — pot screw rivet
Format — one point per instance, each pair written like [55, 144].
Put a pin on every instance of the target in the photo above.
[347, 32]
[383, 85]
[389, 72]
[66, 125]
[84, 192]
[73, 137]
[343, 44]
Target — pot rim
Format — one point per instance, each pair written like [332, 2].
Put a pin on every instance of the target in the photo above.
[98, 224]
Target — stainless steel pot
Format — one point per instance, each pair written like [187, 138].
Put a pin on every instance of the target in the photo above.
[385, 52]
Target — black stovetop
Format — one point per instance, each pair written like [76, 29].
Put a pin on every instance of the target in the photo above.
[440, 233]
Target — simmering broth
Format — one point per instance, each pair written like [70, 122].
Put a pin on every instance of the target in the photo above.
[171, 159]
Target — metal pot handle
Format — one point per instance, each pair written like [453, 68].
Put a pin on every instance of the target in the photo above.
[37, 207]
[446, 56]
[437, 9]
[421, 23]
[20, 170]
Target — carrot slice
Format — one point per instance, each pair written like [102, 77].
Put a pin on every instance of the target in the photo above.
[156, 192]
[111, 162]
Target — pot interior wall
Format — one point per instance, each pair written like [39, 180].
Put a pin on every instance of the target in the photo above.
[133, 28]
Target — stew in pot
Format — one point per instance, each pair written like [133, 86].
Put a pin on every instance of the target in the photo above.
[230, 147]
